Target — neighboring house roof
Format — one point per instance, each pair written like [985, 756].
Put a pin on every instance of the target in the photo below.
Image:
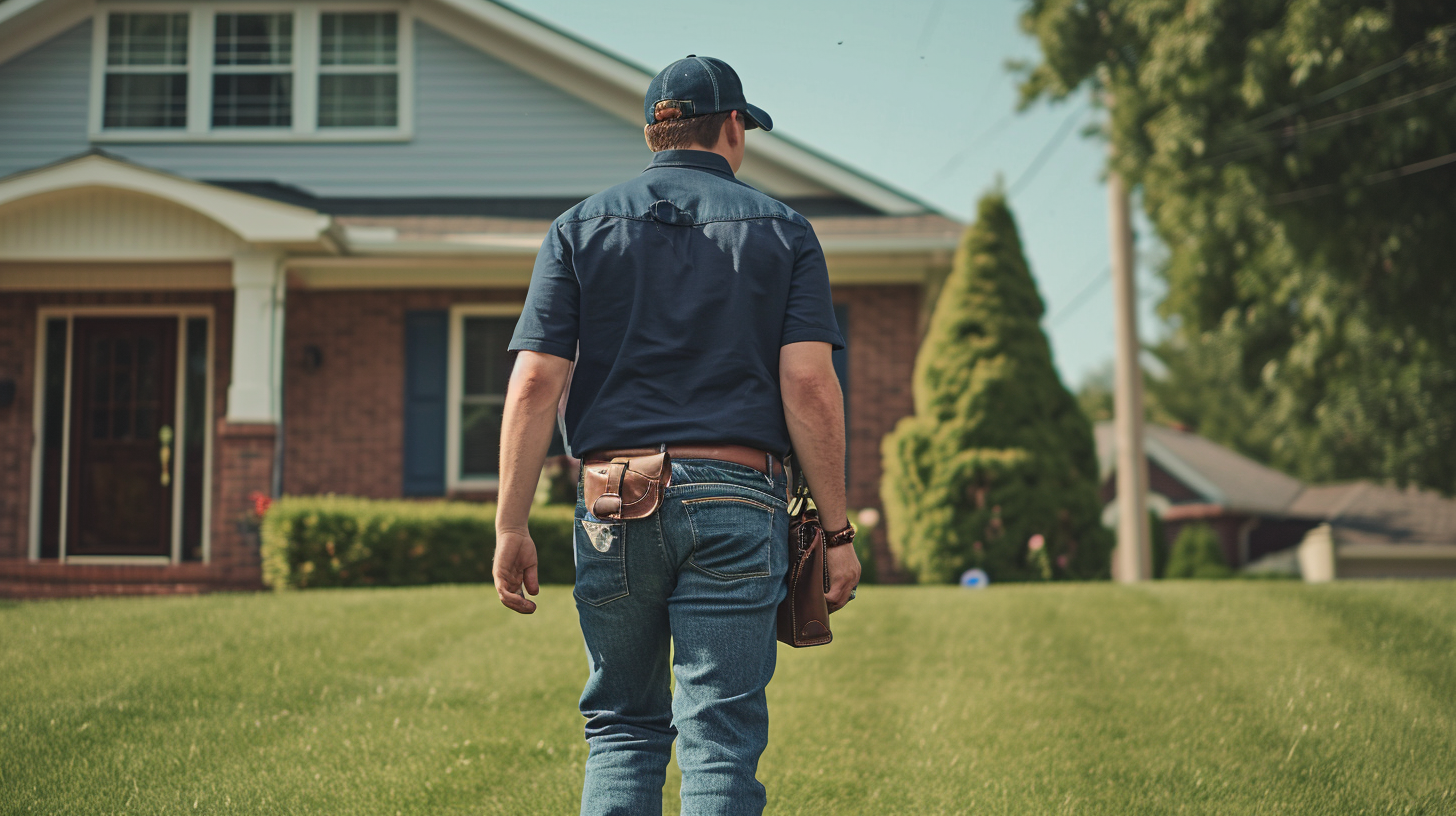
[1359, 513]
[1222, 476]
[582, 69]
[1369, 513]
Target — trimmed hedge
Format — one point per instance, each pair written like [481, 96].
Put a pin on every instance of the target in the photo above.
[337, 541]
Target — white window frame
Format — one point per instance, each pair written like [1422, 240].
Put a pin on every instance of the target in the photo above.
[305, 69]
[455, 390]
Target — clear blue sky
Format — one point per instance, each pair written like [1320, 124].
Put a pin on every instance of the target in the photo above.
[916, 93]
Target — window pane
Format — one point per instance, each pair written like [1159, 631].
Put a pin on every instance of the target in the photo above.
[480, 427]
[252, 100]
[146, 39]
[487, 362]
[358, 100]
[358, 39]
[145, 101]
[253, 39]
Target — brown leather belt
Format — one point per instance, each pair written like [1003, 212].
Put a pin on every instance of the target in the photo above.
[737, 454]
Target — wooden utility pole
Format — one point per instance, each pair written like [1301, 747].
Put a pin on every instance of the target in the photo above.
[1133, 556]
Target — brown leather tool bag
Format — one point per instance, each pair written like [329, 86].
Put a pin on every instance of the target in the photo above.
[626, 488]
[803, 616]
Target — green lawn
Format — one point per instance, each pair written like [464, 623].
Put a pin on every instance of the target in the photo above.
[1234, 697]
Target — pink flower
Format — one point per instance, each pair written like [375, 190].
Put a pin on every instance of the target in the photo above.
[869, 517]
[261, 503]
[1036, 543]
[1063, 561]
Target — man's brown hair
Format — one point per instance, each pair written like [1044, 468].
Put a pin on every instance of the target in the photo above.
[673, 131]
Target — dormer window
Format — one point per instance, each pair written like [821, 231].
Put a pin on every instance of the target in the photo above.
[228, 72]
[146, 71]
[252, 70]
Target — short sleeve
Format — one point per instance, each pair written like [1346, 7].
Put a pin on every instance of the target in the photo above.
[550, 320]
[810, 312]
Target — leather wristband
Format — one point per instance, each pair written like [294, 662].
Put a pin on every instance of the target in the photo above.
[839, 538]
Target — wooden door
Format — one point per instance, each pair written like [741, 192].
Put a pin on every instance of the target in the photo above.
[123, 435]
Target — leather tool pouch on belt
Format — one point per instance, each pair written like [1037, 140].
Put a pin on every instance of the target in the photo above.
[626, 488]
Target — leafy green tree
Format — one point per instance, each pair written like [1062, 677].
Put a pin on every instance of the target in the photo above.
[1196, 554]
[1298, 160]
[997, 450]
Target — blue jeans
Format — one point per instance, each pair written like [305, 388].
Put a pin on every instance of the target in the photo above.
[705, 573]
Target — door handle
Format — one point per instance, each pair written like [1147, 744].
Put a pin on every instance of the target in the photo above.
[165, 437]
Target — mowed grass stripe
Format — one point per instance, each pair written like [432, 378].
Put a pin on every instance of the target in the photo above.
[1225, 697]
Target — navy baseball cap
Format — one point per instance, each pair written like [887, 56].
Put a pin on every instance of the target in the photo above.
[698, 86]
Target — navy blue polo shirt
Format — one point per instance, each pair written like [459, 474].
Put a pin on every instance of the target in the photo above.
[674, 292]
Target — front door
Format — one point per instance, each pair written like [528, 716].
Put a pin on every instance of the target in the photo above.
[123, 405]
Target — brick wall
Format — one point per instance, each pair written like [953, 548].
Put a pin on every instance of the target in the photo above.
[344, 421]
[884, 335]
[243, 465]
[18, 312]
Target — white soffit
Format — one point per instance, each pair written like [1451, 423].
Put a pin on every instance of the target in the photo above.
[255, 220]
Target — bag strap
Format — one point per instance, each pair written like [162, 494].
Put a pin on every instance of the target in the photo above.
[609, 504]
[799, 492]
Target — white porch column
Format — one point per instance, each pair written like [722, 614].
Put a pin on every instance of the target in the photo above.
[255, 392]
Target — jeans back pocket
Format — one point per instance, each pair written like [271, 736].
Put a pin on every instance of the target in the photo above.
[600, 552]
[732, 535]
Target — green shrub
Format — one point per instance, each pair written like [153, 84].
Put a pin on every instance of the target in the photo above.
[997, 450]
[335, 541]
[1197, 554]
[864, 548]
[1158, 538]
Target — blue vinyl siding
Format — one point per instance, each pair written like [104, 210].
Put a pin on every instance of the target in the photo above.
[43, 97]
[482, 129]
[426, 353]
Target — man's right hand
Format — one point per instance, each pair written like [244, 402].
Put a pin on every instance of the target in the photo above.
[844, 571]
[515, 568]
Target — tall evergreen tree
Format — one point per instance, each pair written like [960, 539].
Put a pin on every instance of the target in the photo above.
[997, 450]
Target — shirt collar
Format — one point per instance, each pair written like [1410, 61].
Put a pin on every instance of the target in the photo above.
[695, 159]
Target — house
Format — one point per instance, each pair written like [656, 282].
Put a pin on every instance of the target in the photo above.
[1355, 529]
[272, 248]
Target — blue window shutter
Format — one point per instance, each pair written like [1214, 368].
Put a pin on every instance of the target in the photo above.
[426, 353]
[841, 366]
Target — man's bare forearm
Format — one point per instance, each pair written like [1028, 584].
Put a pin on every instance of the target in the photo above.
[529, 416]
[814, 412]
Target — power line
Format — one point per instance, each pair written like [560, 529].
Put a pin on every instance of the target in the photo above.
[1374, 178]
[954, 161]
[1349, 85]
[1254, 141]
[1088, 290]
[1046, 152]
